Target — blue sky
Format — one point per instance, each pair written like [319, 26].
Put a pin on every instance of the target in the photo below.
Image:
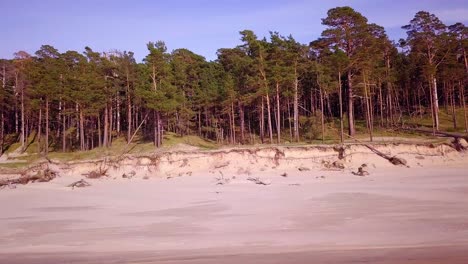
[202, 26]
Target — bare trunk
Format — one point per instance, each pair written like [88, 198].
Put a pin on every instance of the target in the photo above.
[155, 129]
[278, 115]
[106, 127]
[82, 134]
[99, 130]
[435, 104]
[368, 114]
[270, 126]
[160, 129]
[111, 125]
[463, 103]
[452, 102]
[381, 105]
[39, 132]
[47, 127]
[233, 124]
[64, 131]
[23, 121]
[289, 121]
[351, 127]
[432, 110]
[340, 97]
[129, 112]
[296, 105]
[242, 122]
[117, 115]
[262, 122]
[322, 115]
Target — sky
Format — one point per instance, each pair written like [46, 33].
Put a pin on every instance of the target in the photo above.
[201, 26]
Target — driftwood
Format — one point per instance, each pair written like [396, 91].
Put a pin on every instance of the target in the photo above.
[79, 184]
[41, 176]
[257, 180]
[333, 166]
[361, 171]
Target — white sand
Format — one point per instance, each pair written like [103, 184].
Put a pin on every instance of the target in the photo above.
[395, 215]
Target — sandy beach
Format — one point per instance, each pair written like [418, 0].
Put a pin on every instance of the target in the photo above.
[394, 215]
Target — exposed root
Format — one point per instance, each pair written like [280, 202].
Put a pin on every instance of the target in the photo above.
[101, 172]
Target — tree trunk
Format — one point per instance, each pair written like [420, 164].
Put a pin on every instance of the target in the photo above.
[452, 102]
[106, 127]
[64, 131]
[46, 150]
[278, 114]
[233, 127]
[262, 122]
[435, 104]
[462, 99]
[270, 126]
[99, 129]
[242, 122]
[129, 111]
[381, 104]
[340, 97]
[39, 132]
[296, 104]
[289, 121]
[23, 121]
[160, 129]
[432, 110]
[322, 114]
[351, 128]
[82, 134]
[368, 114]
[111, 125]
[155, 130]
[117, 114]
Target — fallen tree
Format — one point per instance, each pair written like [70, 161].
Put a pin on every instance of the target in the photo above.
[393, 159]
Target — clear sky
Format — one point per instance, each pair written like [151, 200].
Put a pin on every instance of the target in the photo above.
[202, 26]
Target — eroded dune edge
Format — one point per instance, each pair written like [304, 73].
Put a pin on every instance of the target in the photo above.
[251, 160]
